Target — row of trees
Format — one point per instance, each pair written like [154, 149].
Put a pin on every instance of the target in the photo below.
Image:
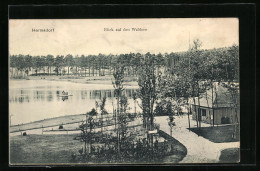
[91, 65]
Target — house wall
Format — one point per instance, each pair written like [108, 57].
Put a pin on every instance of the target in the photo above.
[207, 119]
[225, 112]
[218, 114]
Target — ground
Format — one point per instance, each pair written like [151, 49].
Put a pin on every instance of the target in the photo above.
[216, 134]
[229, 155]
[199, 149]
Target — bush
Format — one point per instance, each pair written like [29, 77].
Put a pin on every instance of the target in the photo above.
[93, 112]
[163, 109]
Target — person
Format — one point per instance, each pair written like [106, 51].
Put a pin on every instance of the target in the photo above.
[144, 142]
[63, 92]
[165, 146]
[156, 145]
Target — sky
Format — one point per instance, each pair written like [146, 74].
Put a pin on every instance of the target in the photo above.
[87, 36]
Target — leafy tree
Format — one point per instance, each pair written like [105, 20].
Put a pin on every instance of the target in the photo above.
[122, 120]
[147, 91]
[37, 63]
[103, 111]
[58, 63]
[69, 62]
[43, 63]
[28, 63]
[13, 63]
[118, 86]
[50, 62]
[196, 44]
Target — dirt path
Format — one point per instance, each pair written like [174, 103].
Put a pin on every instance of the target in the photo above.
[199, 149]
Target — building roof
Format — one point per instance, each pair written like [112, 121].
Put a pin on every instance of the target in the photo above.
[221, 98]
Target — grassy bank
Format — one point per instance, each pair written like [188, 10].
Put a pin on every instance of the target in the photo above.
[58, 149]
[48, 122]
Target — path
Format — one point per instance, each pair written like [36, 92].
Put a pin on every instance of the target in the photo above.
[199, 149]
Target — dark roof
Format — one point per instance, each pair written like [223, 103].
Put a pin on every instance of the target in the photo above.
[220, 99]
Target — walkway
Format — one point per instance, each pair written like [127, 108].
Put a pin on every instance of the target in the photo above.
[199, 149]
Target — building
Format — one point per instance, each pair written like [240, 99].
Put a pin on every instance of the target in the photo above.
[219, 110]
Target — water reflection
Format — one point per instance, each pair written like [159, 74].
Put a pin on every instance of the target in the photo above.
[21, 96]
[65, 98]
[41, 102]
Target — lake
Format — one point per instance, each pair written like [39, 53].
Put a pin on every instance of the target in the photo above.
[32, 100]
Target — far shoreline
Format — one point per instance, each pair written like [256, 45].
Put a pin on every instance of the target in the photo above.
[130, 81]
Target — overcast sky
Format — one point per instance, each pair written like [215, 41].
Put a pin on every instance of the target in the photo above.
[87, 36]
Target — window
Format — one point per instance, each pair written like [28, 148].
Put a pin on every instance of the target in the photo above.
[203, 112]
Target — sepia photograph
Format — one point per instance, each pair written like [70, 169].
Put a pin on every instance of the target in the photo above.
[124, 91]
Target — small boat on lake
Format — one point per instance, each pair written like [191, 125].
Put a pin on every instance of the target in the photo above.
[64, 94]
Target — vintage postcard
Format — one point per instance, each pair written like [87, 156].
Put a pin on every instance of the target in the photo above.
[124, 91]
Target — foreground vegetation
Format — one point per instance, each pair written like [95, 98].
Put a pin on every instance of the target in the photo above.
[57, 149]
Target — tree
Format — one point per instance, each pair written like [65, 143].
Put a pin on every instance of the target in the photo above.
[189, 71]
[69, 62]
[58, 63]
[103, 111]
[122, 120]
[43, 63]
[85, 135]
[13, 63]
[135, 98]
[118, 86]
[196, 44]
[84, 64]
[20, 63]
[147, 91]
[50, 62]
[232, 83]
[37, 63]
[28, 63]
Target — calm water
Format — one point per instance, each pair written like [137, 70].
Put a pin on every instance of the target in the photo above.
[31, 100]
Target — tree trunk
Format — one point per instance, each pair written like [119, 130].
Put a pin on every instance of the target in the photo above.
[199, 110]
[102, 124]
[196, 110]
[118, 137]
[208, 106]
[212, 104]
[135, 106]
[189, 115]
